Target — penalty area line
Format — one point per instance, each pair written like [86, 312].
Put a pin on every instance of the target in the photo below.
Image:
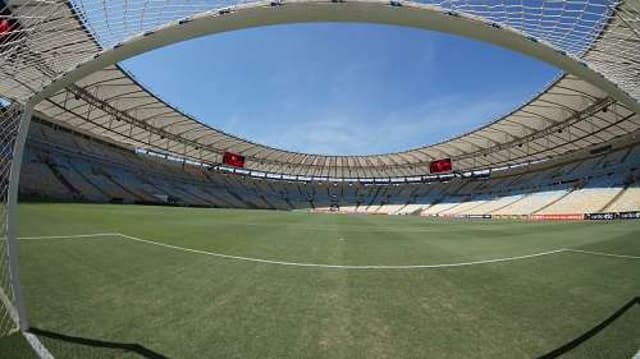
[335, 266]
[340, 266]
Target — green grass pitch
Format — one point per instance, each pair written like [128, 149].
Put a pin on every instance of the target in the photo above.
[184, 304]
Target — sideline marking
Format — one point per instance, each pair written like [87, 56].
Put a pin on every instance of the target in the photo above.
[336, 266]
[71, 236]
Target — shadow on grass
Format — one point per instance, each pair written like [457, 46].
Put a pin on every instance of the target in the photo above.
[565, 348]
[150, 354]
[96, 343]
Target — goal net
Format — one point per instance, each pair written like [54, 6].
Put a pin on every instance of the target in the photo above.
[10, 117]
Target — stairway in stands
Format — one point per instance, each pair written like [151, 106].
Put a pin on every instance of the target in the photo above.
[70, 187]
[373, 199]
[554, 201]
[247, 203]
[122, 187]
[615, 198]
[510, 203]
[88, 180]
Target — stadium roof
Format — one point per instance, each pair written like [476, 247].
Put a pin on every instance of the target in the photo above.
[570, 114]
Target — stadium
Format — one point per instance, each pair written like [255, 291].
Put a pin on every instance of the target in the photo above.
[132, 229]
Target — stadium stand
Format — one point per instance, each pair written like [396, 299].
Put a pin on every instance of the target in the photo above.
[628, 200]
[64, 165]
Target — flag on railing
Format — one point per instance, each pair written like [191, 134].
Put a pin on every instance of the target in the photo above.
[441, 166]
[233, 159]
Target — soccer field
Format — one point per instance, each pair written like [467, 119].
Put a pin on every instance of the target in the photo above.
[204, 283]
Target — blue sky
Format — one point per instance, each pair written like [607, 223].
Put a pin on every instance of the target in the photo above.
[341, 88]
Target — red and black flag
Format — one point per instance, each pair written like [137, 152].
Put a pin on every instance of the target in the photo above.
[9, 27]
[233, 159]
[440, 166]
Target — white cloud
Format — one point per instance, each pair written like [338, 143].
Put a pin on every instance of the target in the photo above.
[339, 132]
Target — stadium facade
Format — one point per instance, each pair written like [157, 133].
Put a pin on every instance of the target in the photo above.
[96, 133]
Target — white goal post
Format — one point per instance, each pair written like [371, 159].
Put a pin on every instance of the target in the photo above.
[13, 132]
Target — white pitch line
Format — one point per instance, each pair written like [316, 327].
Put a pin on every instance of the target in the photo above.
[71, 236]
[604, 254]
[340, 266]
[38, 347]
[335, 266]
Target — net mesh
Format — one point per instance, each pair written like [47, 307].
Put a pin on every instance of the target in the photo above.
[9, 120]
[51, 37]
[569, 25]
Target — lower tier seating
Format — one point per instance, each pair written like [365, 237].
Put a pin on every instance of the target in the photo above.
[62, 166]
